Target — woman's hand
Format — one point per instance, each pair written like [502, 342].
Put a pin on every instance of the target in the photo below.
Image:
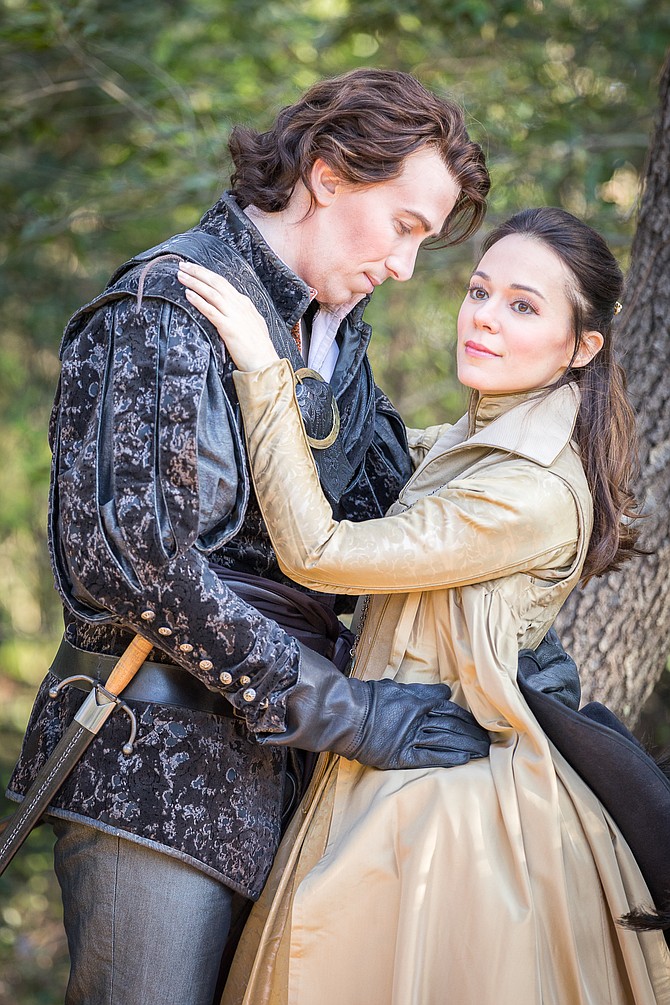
[237, 321]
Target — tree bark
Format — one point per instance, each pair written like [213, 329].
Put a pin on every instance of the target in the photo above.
[618, 627]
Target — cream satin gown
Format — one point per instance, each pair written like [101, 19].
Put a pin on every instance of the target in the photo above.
[495, 883]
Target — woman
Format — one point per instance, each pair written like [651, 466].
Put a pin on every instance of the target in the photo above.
[501, 880]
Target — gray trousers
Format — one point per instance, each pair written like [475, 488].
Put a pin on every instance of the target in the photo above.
[141, 927]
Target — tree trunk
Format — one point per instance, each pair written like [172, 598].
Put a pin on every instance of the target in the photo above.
[618, 627]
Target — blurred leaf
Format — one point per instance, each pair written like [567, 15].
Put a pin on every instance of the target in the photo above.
[114, 119]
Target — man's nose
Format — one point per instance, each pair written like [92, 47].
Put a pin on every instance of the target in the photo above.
[401, 263]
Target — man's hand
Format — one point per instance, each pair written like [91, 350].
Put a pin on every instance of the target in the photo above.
[378, 722]
[549, 669]
[417, 726]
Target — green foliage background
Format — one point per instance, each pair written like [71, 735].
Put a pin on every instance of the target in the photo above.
[114, 117]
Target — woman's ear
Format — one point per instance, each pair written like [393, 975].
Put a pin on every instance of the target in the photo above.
[325, 182]
[590, 345]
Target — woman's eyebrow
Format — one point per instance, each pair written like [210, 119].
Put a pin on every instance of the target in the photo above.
[513, 286]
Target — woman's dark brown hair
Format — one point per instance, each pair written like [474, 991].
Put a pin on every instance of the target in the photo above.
[363, 125]
[605, 430]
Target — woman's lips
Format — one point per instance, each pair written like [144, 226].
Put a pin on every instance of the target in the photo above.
[475, 349]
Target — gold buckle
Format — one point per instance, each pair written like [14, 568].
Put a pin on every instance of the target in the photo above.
[327, 441]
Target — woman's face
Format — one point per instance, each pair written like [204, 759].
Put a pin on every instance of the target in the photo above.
[515, 323]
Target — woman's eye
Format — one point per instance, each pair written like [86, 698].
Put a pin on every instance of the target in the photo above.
[523, 307]
[477, 293]
[403, 229]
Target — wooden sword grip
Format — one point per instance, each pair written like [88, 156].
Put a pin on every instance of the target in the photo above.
[128, 665]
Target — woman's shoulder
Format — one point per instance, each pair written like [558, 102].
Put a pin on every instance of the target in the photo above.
[519, 481]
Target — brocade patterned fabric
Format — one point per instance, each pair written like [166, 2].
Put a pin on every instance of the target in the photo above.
[150, 484]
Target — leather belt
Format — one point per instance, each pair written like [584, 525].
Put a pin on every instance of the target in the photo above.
[154, 683]
[299, 614]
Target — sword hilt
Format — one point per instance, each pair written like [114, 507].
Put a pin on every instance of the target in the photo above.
[105, 698]
[98, 707]
[128, 664]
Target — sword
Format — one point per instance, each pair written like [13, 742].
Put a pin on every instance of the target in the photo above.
[83, 729]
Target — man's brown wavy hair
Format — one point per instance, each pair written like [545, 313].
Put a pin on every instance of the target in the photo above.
[364, 125]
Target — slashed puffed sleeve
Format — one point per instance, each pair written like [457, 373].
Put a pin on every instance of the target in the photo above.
[511, 517]
[141, 493]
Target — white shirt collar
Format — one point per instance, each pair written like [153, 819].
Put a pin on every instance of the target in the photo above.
[323, 347]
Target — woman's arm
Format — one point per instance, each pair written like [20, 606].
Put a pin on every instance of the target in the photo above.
[473, 530]
[420, 441]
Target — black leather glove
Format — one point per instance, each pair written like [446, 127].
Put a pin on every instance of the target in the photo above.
[379, 723]
[549, 669]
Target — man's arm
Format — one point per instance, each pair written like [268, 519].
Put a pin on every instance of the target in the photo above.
[135, 389]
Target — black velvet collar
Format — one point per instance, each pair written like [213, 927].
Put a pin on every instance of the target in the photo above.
[289, 294]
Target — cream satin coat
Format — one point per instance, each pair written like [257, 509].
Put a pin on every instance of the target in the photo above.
[495, 882]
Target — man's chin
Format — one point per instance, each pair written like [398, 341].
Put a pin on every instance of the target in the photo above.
[333, 298]
[343, 306]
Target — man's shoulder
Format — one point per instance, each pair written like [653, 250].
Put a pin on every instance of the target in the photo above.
[196, 245]
[151, 275]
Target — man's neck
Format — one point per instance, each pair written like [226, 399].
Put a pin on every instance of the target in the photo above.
[279, 232]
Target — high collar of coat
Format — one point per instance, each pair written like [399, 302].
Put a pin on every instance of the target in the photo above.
[533, 424]
[290, 295]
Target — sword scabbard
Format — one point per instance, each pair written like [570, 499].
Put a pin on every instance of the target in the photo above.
[87, 721]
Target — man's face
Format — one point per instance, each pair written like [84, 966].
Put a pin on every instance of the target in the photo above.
[360, 236]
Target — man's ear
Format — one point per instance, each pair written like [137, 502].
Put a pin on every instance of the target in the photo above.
[325, 182]
[590, 345]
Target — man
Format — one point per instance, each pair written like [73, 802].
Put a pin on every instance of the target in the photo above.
[155, 529]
